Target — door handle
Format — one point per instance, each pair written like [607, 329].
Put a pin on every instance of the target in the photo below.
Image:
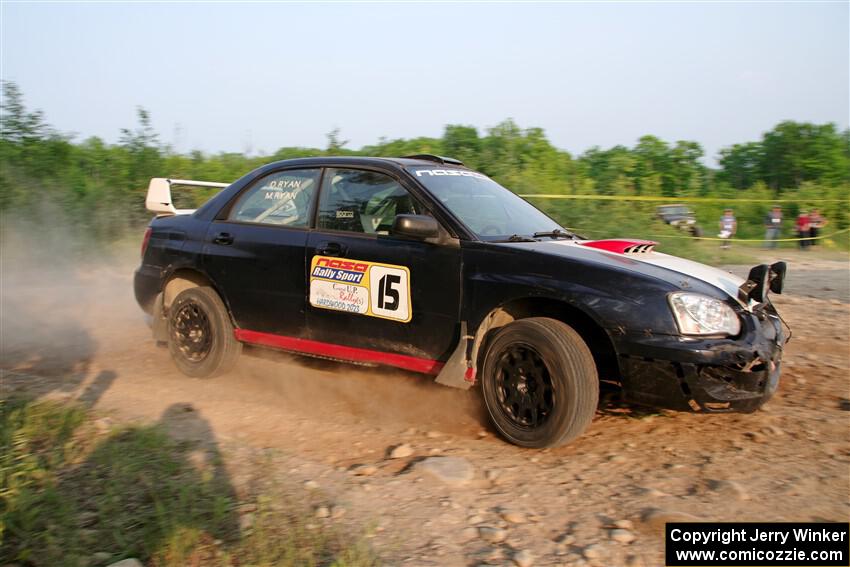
[224, 238]
[331, 249]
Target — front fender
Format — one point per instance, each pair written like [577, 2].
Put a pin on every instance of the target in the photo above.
[615, 298]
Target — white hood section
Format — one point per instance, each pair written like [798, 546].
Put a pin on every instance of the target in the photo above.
[725, 281]
[718, 278]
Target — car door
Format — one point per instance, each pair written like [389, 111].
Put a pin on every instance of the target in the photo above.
[370, 290]
[255, 255]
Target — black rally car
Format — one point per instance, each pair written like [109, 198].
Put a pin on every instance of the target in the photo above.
[425, 265]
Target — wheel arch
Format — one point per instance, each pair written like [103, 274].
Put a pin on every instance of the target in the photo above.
[181, 279]
[597, 339]
[178, 280]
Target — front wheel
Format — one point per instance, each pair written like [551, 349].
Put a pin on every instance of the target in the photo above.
[540, 383]
[200, 334]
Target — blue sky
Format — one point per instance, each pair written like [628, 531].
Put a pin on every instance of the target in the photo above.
[230, 76]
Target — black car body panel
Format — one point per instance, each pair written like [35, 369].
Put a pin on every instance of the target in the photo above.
[263, 274]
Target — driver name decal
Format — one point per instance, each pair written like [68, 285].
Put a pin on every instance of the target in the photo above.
[281, 184]
[450, 172]
[365, 288]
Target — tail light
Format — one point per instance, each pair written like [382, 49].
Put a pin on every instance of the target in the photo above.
[145, 240]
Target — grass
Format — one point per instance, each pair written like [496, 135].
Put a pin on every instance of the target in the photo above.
[71, 494]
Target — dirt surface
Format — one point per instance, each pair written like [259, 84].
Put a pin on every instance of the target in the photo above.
[813, 273]
[78, 335]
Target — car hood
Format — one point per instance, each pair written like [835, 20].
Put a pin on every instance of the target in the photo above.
[672, 269]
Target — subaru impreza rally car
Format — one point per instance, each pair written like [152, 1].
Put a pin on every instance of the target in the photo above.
[423, 264]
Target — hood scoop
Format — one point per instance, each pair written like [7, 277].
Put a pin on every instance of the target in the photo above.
[622, 246]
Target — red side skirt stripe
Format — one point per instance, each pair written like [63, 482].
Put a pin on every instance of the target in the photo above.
[423, 365]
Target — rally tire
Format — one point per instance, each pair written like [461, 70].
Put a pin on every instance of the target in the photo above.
[539, 382]
[200, 334]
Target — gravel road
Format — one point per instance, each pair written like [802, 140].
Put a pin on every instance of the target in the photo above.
[373, 441]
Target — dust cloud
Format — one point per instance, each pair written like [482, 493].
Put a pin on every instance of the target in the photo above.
[61, 295]
[68, 313]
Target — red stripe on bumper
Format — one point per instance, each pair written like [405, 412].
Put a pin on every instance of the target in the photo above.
[422, 365]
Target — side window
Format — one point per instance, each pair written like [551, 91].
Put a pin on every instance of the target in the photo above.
[362, 201]
[282, 198]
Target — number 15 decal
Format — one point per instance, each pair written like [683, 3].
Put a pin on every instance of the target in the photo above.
[360, 287]
[390, 292]
[385, 290]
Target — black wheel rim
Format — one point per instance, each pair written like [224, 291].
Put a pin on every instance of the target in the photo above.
[192, 331]
[524, 386]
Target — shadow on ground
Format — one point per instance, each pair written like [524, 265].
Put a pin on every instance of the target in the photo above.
[74, 497]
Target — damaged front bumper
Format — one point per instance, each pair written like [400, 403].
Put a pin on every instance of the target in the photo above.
[706, 375]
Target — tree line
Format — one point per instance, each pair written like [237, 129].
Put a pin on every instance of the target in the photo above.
[102, 185]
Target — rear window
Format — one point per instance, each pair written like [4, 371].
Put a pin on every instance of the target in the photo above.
[281, 198]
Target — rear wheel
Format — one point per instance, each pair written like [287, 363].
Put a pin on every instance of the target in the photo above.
[200, 334]
[540, 383]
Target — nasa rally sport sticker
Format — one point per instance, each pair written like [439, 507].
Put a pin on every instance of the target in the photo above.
[356, 286]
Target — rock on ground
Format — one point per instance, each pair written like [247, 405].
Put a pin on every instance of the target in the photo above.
[523, 558]
[513, 516]
[655, 519]
[451, 470]
[400, 451]
[592, 551]
[132, 562]
[493, 535]
[364, 470]
[728, 489]
[622, 536]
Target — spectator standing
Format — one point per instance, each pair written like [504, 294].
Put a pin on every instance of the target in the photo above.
[803, 228]
[728, 227]
[772, 226]
[816, 222]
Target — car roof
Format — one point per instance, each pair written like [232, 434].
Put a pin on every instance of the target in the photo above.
[394, 162]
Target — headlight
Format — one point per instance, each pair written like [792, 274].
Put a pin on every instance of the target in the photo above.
[697, 314]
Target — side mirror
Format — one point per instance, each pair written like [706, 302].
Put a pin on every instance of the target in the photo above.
[756, 285]
[777, 276]
[419, 227]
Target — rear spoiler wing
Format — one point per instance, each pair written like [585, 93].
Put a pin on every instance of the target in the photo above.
[159, 195]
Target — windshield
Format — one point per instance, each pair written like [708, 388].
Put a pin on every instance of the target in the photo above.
[485, 207]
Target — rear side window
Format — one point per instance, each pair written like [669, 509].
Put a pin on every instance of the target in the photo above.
[282, 198]
[362, 201]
